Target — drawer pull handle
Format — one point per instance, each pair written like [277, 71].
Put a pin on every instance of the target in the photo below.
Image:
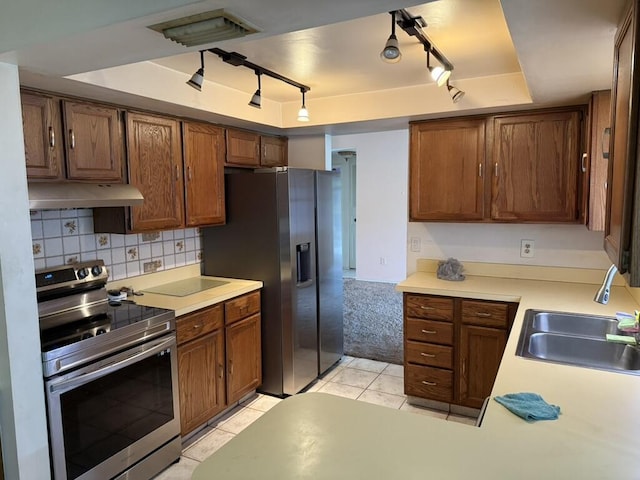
[197, 326]
[428, 331]
[430, 355]
[483, 314]
[431, 384]
[424, 307]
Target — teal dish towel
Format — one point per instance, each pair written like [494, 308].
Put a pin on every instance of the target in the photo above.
[529, 406]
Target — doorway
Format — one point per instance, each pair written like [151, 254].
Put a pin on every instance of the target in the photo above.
[344, 161]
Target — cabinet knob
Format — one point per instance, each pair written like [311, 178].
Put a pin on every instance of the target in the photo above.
[72, 139]
[583, 163]
[52, 137]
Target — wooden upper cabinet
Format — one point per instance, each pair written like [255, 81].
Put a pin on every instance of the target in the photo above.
[155, 167]
[447, 170]
[94, 148]
[599, 129]
[204, 156]
[619, 234]
[273, 151]
[243, 148]
[42, 130]
[535, 167]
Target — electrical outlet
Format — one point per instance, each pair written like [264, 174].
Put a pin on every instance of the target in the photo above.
[527, 248]
[415, 244]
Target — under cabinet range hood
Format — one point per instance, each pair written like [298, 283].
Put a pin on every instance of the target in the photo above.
[43, 196]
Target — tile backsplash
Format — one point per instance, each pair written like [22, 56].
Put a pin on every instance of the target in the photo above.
[66, 236]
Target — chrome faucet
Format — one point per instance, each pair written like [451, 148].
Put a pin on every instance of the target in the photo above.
[602, 295]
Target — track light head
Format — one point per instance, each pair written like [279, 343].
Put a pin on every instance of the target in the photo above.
[256, 100]
[439, 75]
[197, 78]
[391, 52]
[455, 93]
[303, 113]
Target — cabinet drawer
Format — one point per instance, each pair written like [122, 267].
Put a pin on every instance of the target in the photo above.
[429, 331]
[427, 382]
[429, 354]
[435, 308]
[487, 314]
[241, 307]
[199, 323]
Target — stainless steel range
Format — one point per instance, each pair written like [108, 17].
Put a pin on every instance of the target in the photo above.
[110, 374]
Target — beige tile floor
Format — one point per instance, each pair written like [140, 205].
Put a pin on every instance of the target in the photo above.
[361, 379]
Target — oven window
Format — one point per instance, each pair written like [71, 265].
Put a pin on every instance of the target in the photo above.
[107, 415]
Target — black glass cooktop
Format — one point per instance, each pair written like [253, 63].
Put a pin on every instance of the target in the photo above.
[83, 323]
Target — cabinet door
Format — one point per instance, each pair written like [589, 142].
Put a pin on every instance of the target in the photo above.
[481, 350]
[243, 148]
[42, 130]
[446, 170]
[204, 155]
[619, 231]
[201, 380]
[155, 167]
[273, 151]
[535, 167]
[244, 357]
[94, 142]
[599, 136]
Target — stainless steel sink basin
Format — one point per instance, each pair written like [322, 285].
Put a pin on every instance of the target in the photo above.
[573, 324]
[575, 339]
[588, 352]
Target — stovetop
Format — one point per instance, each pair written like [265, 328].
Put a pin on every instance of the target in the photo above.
[97, 319]
[79, 325]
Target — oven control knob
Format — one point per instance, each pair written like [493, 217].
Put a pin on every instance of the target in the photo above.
[100, 331]
[96, 270]
[83, 273]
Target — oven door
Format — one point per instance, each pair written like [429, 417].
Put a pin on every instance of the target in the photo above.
[105, 417]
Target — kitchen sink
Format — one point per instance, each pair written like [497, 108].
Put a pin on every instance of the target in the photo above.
[576, 339]
[573, 324]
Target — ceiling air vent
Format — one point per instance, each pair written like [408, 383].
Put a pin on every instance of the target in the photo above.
[206, 27]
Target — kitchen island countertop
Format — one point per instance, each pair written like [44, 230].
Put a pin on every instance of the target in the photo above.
[312, 436]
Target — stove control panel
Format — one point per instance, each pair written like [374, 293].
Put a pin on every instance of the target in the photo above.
[74, 276]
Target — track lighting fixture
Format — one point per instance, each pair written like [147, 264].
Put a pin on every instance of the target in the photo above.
[197, 78]
[439, 74]
[391, 53]
[303, 113]
[256, 99]
[238, 60]
[455, 92]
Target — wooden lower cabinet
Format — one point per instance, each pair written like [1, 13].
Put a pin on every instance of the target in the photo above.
[453, 347]
[244, 369]
[219, 359]
[201, 373]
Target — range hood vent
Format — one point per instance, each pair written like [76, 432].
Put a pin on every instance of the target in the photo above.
[203, 28]
[45, 196]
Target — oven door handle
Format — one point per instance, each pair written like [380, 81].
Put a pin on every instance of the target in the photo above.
[122, 360]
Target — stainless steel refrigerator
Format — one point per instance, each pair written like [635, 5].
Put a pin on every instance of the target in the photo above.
[284, 228]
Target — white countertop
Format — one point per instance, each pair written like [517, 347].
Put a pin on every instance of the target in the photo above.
[316, 437]
[189, 303]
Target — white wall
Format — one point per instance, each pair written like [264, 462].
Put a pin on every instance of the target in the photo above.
[381, 203]
[383, 229]
[22, 409]
[558, 245]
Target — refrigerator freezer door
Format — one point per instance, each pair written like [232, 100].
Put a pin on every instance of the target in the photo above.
[329, 269]
[300, 336]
